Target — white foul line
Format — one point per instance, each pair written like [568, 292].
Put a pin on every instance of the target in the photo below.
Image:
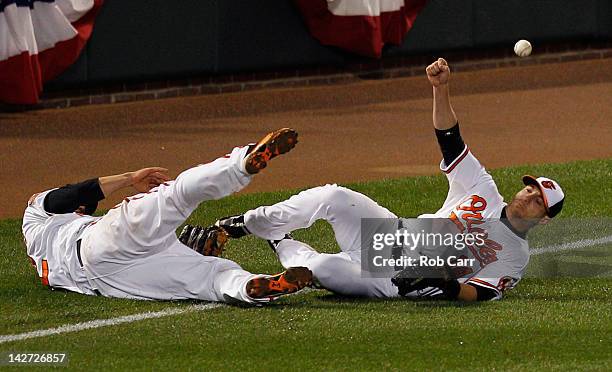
[571, 245]
[199, 307]
[108, 322]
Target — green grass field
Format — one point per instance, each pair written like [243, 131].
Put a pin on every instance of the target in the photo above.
[554, 323]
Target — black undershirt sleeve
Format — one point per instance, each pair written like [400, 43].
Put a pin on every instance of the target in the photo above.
[451, 143]
[484, 294]
[69, 198]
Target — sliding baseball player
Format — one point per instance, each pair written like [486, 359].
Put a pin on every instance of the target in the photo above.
[133, 252]
[473, 201]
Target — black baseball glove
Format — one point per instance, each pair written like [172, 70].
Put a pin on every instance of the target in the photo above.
[207, 241]
[414, 278]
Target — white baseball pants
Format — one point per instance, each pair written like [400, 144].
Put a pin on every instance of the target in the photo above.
[133, 251]
[343, 209]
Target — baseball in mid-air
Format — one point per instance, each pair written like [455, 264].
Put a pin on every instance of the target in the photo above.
[522, 48]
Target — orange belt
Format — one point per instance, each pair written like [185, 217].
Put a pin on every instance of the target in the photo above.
[45, 273]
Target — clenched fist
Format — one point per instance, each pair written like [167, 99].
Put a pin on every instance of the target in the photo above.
[438, 72]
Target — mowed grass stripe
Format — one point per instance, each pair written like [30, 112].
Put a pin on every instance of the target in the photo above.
[107, 322]
[571, 246]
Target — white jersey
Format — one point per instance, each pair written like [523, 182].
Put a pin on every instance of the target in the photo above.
[472, 202]
[51, 245]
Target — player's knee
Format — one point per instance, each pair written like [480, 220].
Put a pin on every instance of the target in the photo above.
[335, 195]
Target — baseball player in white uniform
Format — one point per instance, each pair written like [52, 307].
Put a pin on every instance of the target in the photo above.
[472, 201]
[133, 252]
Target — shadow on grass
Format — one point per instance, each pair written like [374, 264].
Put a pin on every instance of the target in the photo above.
[424, 303]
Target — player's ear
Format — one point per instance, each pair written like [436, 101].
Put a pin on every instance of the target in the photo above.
[544, 220]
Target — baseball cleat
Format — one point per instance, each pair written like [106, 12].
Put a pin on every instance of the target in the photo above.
[234, 226]
[273, 144]
[272, 286]
[207, 241]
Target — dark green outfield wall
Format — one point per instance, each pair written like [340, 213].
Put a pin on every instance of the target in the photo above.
[143, 39]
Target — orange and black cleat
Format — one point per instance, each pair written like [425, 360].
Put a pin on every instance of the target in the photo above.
[273, 144]
[270, 287]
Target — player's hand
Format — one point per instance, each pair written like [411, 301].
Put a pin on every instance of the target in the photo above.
[145, 179]
[438, 72]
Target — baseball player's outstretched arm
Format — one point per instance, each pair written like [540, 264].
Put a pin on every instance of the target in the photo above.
[142, 180]
[438, 74]
[444, 118]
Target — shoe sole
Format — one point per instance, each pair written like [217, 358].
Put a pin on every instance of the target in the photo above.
[273, 144]
[271, 287]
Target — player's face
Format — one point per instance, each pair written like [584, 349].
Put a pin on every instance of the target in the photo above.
[529, 204]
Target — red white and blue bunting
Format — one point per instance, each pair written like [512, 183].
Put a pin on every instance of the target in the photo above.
[360, 26]
[38, 40]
